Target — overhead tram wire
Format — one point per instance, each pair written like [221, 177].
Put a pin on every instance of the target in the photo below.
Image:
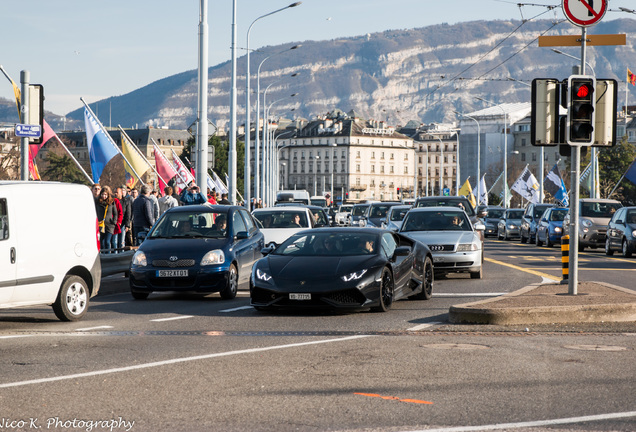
[490, 51]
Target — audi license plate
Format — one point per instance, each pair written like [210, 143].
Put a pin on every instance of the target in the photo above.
[172, 273]
[300, 296]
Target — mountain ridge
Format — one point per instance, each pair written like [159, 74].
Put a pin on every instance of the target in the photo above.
[396, 75]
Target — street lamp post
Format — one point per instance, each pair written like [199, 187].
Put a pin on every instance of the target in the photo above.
[478, 156]
[316, 160]
[268, 154]
[248, 108]
[505, 172]
[257, 175]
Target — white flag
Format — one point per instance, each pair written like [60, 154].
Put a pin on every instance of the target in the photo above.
[527, 186]
[483, 191]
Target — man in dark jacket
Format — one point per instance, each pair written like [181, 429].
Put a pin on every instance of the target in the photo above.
[142, 213]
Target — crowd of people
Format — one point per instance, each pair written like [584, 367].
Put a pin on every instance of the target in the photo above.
[125, 214]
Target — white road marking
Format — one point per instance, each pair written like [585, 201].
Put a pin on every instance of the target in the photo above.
[172, 318]
[423, 326]
[537, 423]
[93, 328]
[236, 309]
[494, 294]
[175, 361]
[14, 336]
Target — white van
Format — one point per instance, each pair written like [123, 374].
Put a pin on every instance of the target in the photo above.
[292, 196]
[49, 247]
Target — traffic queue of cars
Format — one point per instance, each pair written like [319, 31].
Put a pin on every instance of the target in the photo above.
[603, 223]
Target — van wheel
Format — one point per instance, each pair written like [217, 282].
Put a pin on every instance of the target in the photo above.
[231, 288]
[72, 300]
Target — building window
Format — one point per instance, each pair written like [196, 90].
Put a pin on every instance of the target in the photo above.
[406, 156]
[372, 155]
[392, 156]
[357, 167]
[358, 154]
[358, 181]
[372, 168]
[534, 157]
[391, 169]
[382, 169]
[406, 170]
[382, 155]
[523, 157]
[523, 142]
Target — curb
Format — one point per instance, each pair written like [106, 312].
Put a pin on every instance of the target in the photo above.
[489, 312]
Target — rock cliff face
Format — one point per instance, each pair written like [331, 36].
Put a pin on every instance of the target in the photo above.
[424, 74]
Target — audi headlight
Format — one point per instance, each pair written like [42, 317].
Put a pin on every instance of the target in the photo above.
[354, 276]
[139, 259]
[213, 257]
[557, 229]
[586, 223]
[260, 274]
[634, 233]
[468, 247]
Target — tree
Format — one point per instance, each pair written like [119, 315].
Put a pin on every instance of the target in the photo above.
[613, 163]
[60, 167]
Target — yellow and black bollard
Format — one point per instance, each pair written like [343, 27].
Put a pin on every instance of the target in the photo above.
[565, 258]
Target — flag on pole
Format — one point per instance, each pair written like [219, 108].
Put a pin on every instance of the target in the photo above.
[467, 191]
[184, 176]
[100, 148]
[630, 174]
[483, 190]
[554, 184]
[631, 77]
[527, 186]
[585, 179]
[139, 164]
[164, 167]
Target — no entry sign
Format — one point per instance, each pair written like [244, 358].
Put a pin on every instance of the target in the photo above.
[584, 13]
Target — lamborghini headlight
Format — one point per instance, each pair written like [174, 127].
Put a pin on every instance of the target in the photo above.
[260, 274]
[354, 276]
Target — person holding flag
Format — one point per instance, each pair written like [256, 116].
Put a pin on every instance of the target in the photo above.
[555, 186]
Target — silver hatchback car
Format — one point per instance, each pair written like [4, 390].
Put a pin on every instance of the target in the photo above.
[594, 215]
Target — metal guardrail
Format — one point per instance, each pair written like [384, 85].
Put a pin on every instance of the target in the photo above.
[118, 262]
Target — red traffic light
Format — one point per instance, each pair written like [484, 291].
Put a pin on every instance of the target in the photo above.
[583, 91]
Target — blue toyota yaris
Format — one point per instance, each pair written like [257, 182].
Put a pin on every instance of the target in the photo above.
[198, 248]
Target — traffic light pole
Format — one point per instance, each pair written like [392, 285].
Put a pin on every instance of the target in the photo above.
[573, 278]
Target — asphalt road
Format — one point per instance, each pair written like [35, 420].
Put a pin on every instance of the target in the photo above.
[193, 363]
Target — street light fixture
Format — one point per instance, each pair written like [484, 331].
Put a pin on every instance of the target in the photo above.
[505, 172]
[257, 144]
[248, 105]
[478, 155]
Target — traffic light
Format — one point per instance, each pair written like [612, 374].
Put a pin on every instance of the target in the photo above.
[546, 101]
[398, 192]
[581, 105]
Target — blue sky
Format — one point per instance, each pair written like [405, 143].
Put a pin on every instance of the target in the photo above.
[97, 49]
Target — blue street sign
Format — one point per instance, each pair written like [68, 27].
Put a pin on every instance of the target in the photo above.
[28, 131]
[446, 191]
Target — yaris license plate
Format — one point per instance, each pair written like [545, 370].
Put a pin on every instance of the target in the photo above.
[300, 296]
[172, 273]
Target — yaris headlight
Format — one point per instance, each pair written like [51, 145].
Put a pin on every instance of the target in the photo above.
[354, 276]
[139, 259]
[557, 229]
[586, 223]
[213, 257]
